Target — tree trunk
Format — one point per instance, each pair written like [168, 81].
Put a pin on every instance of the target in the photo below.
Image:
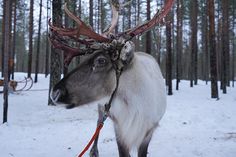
[7, 29]
[80, 9]
[38, 43]
[69, 23]
[148, 34]
[98, 17]
[194, 46]
[212, 45]
[225, 44]
[102, 16]
[169, 54]
[219, 44]
[137, 23]
[234, 50]
[14, 41]
[158, 43]
[233, 62]
[47, 46]
[3, 35]
[91, 13]
[205, 49]
[30, 37]
[129, 15]
[55, 65]
[179, 38]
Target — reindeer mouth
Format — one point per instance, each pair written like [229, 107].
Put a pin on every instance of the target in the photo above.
[70, 106]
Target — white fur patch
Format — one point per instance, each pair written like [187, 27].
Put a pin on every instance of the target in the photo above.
[140, 100]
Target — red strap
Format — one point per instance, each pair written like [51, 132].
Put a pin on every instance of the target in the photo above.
[99, 127]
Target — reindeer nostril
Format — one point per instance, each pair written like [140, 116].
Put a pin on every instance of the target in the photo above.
[58, 95]
[70, 106]
[55, 95]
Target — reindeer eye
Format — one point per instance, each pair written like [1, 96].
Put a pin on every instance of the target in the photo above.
[100, 61]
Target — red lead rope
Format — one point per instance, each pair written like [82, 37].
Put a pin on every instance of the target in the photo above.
[102, 119]
[99, 127]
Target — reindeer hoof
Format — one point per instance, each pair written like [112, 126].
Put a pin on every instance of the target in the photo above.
[94, 152]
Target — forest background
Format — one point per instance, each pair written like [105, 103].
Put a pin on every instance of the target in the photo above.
[197, 41]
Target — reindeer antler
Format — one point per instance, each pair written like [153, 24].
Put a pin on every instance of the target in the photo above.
[90, 38]
[115, 16]
[158, 18]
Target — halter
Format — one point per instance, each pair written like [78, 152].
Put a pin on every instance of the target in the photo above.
[118, 65]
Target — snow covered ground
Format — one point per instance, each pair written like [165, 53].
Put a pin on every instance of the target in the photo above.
[194, 126]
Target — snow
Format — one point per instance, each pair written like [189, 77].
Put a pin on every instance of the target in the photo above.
[194, 125]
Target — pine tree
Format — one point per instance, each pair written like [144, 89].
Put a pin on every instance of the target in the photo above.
[13, 40]
[233, 42]
[31, 18]
[47, 45]
[55, 64]
[194, 46]
[225, 44]
[38, 43]
[212, 45]
[3, 35]
[169, 54]
[148, 34]
[91, 13]
[179, 44]
[7, 29]
[204, 40]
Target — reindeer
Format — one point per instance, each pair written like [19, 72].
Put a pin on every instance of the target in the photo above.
[12, 84]
[131, 82]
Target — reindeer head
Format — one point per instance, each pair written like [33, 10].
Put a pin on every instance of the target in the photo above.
[105, 54]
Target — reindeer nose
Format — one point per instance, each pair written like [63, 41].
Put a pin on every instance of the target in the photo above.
[58, 94]
[55, 94]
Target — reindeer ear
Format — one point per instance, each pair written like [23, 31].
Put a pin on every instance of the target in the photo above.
[127, 52]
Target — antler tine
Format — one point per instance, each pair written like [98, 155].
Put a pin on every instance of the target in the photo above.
[71, 52]
[70, 32]
[115, 16]
[158, 18]
[83, 29]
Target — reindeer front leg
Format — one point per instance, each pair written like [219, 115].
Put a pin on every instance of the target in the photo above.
[94, 150]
